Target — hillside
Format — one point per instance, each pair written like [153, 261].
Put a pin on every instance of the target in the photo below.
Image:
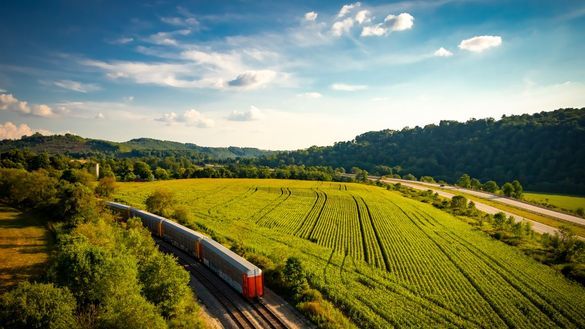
[76, 145]
[386, 260]
[545, 151]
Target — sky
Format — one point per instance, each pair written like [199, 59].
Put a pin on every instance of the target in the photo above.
[281, 74]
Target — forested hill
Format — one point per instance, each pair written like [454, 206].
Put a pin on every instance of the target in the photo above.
[75, 145]
[545, 151]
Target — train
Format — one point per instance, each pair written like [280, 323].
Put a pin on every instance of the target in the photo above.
[240, 274]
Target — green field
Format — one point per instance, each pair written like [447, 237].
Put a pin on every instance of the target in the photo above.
[387, 260]
[571, 203]
[24, 243]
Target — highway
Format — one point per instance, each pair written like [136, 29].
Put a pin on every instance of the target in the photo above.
[496, 198]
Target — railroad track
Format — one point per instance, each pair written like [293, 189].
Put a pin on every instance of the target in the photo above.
[244, 313]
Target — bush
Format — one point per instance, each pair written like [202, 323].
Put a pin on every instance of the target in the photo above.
[37, 305]
[106, 187]
[161, 202]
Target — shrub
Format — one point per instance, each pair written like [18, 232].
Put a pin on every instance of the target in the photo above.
[161, 202]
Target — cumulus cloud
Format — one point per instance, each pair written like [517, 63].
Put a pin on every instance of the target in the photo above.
[76, 86]
[346, 9]
[341, 27]
[478, 44]
[252, 114]
[312, 94]
[377, 30]
[347, 87]
[311, 16]
[362, 16]
[10, 103]
[402, 22]
[252, 79]
[191, 118]
[442, 52]
[392, 23]
[9, 130]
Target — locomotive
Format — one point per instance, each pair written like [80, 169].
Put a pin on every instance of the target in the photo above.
[240, 274]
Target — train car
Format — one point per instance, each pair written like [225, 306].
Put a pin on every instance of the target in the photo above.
[239, 273]
[242, 275]
[182, 237]
[153, 222]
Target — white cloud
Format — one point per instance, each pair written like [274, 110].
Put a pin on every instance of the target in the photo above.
[163, 39]
[100, 115]
[442, 52]
[403, 21]
[391, 23]
[311, 16]
[191, 117]
[252, 79]
[11, 103]
[76, 86]
[478, 44]
[128, 99]
[9, 130]
[347, 8]
[347, 87]
[342, 27]
[3, 90]
[362, 16]
[122, 40]
[377, 30]
[312, 94]
[180, 21]
[252, 114]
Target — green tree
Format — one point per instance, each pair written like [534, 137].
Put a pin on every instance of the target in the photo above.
[518, 189]
[475, 184]
[106, 186]
[491, 186]
[161, 173]
[508, 189]
[499, 220]
[77, 203]
[294, 275]
[142, 170]
[37, 305]
[161, 202]
[464, 181]
[459, 202]
[409, 177]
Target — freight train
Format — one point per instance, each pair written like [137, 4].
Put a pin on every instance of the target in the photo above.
[243, 276]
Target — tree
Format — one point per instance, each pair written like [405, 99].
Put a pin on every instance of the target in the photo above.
[106, 186]
[499, 220]
[490, 186]
[161, 173]
[77, 203]
[475, 184]
[409, 177]
[161, 202]
[508, 189]
[361, 176]
[142, 170]
[428, 179]
[459, 202]
[464, 181]
[518, 189]
[294, 275]
[37, 305]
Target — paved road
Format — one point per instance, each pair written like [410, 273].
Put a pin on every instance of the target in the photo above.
[508, 201]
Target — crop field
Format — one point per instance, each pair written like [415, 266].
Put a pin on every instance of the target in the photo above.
[386, 260]
[24, 244]
[566, 202]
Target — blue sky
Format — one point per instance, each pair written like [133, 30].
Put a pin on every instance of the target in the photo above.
[281, 75]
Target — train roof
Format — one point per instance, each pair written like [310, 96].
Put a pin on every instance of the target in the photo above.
[232, 258]
[117, 205]
[184, 229]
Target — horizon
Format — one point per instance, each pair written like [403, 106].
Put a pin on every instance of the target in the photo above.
[282, 76]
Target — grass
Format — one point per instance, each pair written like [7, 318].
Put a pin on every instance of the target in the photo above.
[386, 260]
[563, 202]
[24, 247]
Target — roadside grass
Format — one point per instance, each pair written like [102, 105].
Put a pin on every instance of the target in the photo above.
[563, 202]
[24, 247]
